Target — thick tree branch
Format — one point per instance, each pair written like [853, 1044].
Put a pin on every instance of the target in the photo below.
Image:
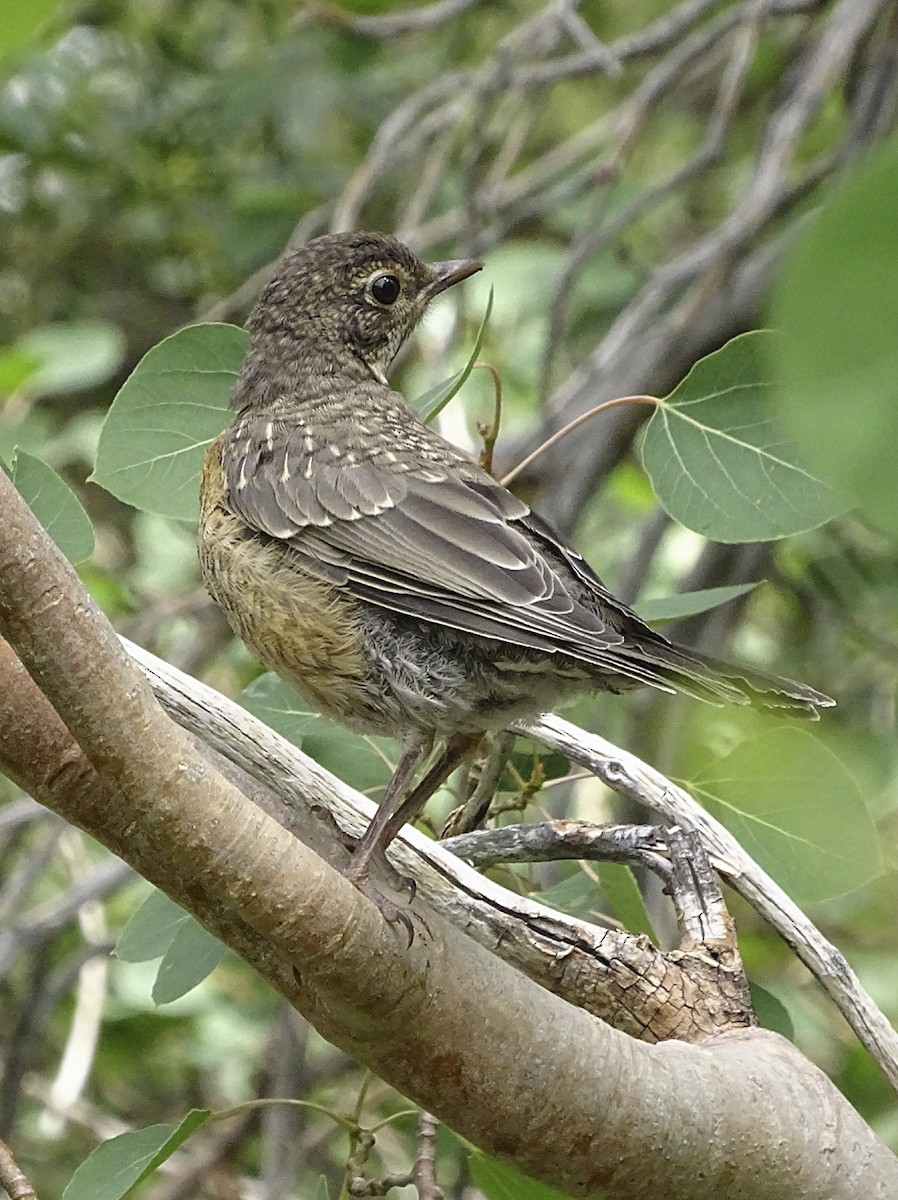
[568, 1098]
[622, 979]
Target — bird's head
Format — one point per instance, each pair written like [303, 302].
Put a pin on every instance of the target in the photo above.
[354, 296]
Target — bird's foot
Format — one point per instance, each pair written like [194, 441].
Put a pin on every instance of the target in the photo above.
[358, 870]
[364, 856]
[391, 912]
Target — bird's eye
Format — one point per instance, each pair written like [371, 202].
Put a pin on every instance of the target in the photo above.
[385, 289]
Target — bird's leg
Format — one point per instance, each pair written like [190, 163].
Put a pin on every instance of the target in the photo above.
[475, 810]
[366, 846]
[387, 821]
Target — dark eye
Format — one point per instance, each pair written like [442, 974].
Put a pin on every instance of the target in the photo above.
[385, 289]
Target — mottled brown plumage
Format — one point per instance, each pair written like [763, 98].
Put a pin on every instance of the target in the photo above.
[394, 583]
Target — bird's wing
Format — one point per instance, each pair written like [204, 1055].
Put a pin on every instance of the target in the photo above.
[444, 543]
[447, 544]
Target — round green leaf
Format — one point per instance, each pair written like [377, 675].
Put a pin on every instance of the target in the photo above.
[795, 809]
[837, 366]
[165, 415]
[717, 460]
[55, 505]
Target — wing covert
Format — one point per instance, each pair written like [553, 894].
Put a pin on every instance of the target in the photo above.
[446, 543]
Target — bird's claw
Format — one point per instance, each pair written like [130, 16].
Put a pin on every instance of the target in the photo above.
[391, 913]
[358, 868]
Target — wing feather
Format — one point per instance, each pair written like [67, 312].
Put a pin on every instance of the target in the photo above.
[445, 544]
[432, 536]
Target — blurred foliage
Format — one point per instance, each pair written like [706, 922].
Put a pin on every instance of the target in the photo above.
[835, 302]
[153, 157]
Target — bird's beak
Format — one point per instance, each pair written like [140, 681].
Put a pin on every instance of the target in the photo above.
[453, 271]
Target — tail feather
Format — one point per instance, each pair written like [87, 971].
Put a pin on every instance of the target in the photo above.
[715, 681]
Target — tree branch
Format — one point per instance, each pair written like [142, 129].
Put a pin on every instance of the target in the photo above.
[562, 1094]
[627, 775]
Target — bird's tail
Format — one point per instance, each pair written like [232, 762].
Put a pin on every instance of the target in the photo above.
[686, 670]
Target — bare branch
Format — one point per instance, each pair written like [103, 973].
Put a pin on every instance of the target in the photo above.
[13, 1178]
[628, 776]
[412, 20]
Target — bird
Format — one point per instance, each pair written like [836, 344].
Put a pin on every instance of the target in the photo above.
[393, 582]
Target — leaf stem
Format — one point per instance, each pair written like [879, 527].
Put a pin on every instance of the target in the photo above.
[571, 426]
[489, 433]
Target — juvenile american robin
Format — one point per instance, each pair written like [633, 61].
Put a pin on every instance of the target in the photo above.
[394, 583]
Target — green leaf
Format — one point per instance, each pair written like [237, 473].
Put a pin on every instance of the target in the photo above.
[434, 401]
[498, 1181]
[716, 459]
[771, 1012]
[55, 505]
[276, 703]
[15, 368]
[151, 929]
[165, 415]
[795, 809]
[192, 955]
[622, 893]
[687, 604]
[162, 929]
[362, 762]
[837, 366]
[576, 895]
[72, 355]
[117, 1166]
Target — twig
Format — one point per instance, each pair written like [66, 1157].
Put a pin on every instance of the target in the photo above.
[424, 1174]
[489, 431]
[13, 1178]
[628, 776]
[413, 20]
[474, 810]
[558, 841]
